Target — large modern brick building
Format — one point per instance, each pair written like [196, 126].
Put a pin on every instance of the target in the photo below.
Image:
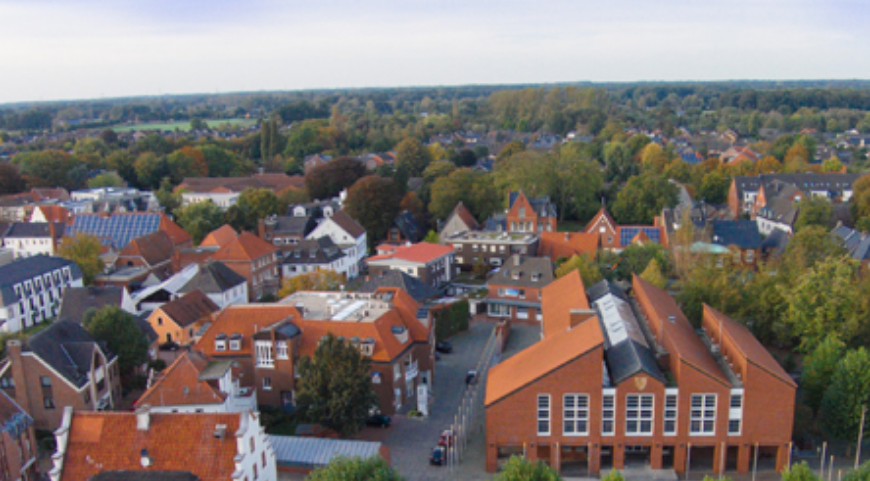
[623, 380]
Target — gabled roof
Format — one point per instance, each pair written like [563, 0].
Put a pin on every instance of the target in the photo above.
[246, 247]
[68, 348]
[180, 385]
[76, 301]
[855, 241]
[189, 308]
[276, 182]
[465, 215]
[558, 299]
[221, 236]
[213, 277]
[602, 213]
[420, 253]
[408, 226]
[346, 222]
[54, 213]
[542, 206]
[246, 320]
[299, 451]
[740, 233]
[292, 225]
[13, 419]
[110, 441]
[313, 251]
[568, 244]
[117, 230]
[154, 248]
[34, 229]
[541, 359]
[416, 288]
[28, 268]
[523, 275]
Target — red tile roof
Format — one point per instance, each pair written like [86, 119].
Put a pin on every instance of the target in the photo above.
[463, 213]
[568, 244]
[180, 385]
[54, 213]
[246, 246]
[541, 359]
[189, 308]
[421, 252]
[601, 213]
[103, 441]
[219, 237]
[176, 233]
[558, 299]
[154, 248]
[244, 319]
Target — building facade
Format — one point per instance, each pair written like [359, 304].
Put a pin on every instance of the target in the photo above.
[31, 290]
[492, 249]
[536, 214]
[431, 263]
[515, 290]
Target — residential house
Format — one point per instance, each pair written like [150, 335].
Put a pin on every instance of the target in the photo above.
[50, 213]
[537, 214]
[348, 235]
[405, 229]
[780, 210]
[62, 365]
[460, 220]
[285, 232]
[314, 254]
[144, 260]
[748, 193]
[28, 239]
[246, 254]
[193, 384]
[18, 448]
[565, 245]
[742, 237]
[17, 207]
[317, 209]
[180, 319]
[736, 155]
[310, 162]
[615, 237]
[31, 289]
[220, 283]
[431, 263]
[373, 161]
[415, 288]
[117, 230]
[115, 199]
[225, 191]
[857, 243]
[631, 381]
[77, 301]
[198, 446]
[515, 289]
[492, 248]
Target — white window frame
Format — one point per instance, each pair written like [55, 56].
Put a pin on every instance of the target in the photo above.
[672, 404]
[735, 413]
[282, 350]
[608, 412]
[575, 414]
[700, 414]
[544, 414]
[263, 354]
[641, 414]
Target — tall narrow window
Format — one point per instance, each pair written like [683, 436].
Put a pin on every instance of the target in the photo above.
[639, 414]
[735, 413]
[543, 414]
[702, 419]
[671, 400]
[608, 412]
[575, 415]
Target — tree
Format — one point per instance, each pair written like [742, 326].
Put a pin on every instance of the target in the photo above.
[342, 468]
[808, 247]
[653, 274]
[256, 204]
[432, 237]
[860, 202]
[51, 168]
[714, 187]
[619, 163]
[818, 370]
[860, 474]
[813, 211]
[224, 163]
[168, 198]
[109, 179]
[11, 181]
[509, 150]
[848, 393]
[119, 330]
[521, 469]
[84, 250]
[108, 136]
[653, 157]
[643, 198]
[123, 163]
[327, 180]
[614, 475]
[197, 123]
[832, 164]
[466, 158]
[199, 219]
[335, 386]
[150, 170]
[800, 472]
[768, 165]
[413, 204]
[413, 155]
[588, 269]
[319, 280]
[306, 137]
[476, 190]
[374, 202]
[186, 162]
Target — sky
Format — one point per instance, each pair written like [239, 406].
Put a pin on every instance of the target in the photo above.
[58, 50]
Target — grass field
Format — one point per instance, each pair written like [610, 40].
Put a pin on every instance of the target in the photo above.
[182, 125]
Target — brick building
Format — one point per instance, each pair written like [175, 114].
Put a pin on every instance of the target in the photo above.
[566, 245]
[491, 248]
[180, 319]
[536, 214]
[620, 381]
[617, 237]
[18, 448]
[747, 194]
[431, 263]
[515, 290]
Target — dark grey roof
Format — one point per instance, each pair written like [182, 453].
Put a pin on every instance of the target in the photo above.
[292, 225]
[142, 475]
[313, 251]
[66, 347]
[541, 205]
[213, 277]
[76, 301]
[28, 268]
[417, 289]
[496, 223]
[521, 275]
[34, 229]
[740, 233]
[856, 242]
[833, 183]
[780, 208]
[775, 243]
[408, 226]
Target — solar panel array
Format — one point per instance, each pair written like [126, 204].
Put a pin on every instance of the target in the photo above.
[627, 234]
[117, 230]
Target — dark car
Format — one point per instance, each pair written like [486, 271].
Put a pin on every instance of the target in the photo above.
[444, 347]
[471, 377]
[437, 456]
[379, 421]
[169, 346]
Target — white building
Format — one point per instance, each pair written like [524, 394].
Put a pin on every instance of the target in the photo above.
[31, 290]
[217, 281]
[27, 239]
[314, 254]
[348, 235]
[224, 200]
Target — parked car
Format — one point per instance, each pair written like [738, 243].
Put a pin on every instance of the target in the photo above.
[379, 421]
[444, 347]
[437, 456]
[169, 346]
[446, 438]
[471, 377]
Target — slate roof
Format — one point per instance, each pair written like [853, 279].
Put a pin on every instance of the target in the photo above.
[740, 233]
[496, 222]
[213, 277]
[417, 289]
[775, 243]
[305, 452]
[313, 251]
[542, 206]
[528, 266]
[76, 301]
[408, 226]
[805, 182]
[780, 207]
[292, 225]
[34, 229]
[67, 347]
[856, 242]
[347, 223]
[28, 268]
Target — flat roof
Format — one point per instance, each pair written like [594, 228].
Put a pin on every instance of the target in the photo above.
[339, 306]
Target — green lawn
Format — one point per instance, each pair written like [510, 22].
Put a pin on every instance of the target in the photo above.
[182, 125]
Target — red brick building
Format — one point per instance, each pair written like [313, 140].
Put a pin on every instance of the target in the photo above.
[620, 381]
[537, 214]
[515, 290]
[617, 237]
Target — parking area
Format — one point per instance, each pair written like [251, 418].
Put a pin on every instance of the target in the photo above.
[411, 440]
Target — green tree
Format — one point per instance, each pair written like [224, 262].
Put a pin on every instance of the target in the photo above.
[643, 198]
[809, 246]
[813, 211]
[818, 370]
[510, 149]
[186, 162]
[256, 204]
[224, 163]
[653, 274]
[119, 330]
[150, 170]
[589, 271]
[123, 163]
[848, 393]
[374, 202]
[51, 168]
[197, 123]
[714, 187]
[860, 201]
[860, 474]
[11, 181]
[355, 469]
[832, 164]
[109, 179]
[335, 386]
[521, 469]
[800, 472]
[84, 250]
[620, 165]
[199, 219]
[614, 475]
[576, 185]
[476, 190]
[306, 138]
[413, 155]
[328, 180]
[432, 237]
[168, 198]
[466, 158]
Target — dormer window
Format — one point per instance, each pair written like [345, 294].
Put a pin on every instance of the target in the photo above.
[236, 342]
[220, 342]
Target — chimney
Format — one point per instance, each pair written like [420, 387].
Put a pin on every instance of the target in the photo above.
[579, 316]
[143, 417]
[52, 236]
[144, 458]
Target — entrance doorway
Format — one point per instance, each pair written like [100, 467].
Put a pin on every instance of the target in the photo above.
[637, 457]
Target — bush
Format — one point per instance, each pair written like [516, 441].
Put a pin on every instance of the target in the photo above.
[451, 319]
[157, 364]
